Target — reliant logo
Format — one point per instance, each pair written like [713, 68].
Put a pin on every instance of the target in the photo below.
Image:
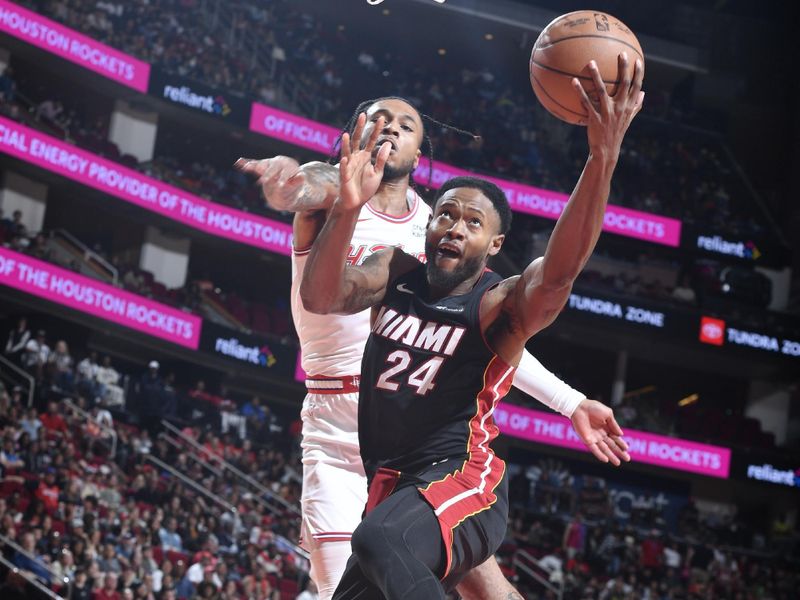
[770, 474]
[184, 95]
[712, 331]
[231, 347]
[746, 250]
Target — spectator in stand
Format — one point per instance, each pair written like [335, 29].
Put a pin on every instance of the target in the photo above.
[108, 377]
[574, 536]
[36, 355]
[109, 589]
[48, 491]
[151, 398]
[17, 227]
[81, 586]
[9, 457]
[31, 424]
[169, 536]
[18, 339]
[87, 378]
[52, 420]
[29, 560]
[108, 561]
[8, 87]
[60, 367]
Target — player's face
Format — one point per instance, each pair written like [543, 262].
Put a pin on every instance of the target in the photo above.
[403, 129]
[463, 232]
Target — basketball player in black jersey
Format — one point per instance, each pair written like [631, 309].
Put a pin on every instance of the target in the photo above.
[445, 340]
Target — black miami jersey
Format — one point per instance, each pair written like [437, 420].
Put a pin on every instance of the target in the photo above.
[429, 381]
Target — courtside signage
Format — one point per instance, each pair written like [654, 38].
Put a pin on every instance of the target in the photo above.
[660, 450]
[101, 300]
[151, 194]
[717, 332]
[75, 47]
[309, 134]
[550, 205]
[617, 310]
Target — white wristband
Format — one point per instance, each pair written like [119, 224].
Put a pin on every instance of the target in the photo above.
[536, 381]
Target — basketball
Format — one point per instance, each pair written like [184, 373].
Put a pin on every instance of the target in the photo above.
[563, 51]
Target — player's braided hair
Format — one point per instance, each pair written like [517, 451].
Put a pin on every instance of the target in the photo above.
[336, 151]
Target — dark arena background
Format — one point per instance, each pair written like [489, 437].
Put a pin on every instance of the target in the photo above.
[149, 388]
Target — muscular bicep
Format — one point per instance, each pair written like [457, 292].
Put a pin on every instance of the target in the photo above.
[535, 303]
[365, 285]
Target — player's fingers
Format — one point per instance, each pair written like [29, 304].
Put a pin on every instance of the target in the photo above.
[355, 139]
[619, 447]
[598, 454]
[346, 150]
[373, 137]
[638, 79]
[251, 166]
[383, 156]
[597, 81]
[612, 458]
[588, 106]
[613, 427]
[623, 76]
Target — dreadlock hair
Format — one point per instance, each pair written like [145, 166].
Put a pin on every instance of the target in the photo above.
[350, 126]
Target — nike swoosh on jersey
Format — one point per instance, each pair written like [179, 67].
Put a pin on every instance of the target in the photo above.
[401, 287]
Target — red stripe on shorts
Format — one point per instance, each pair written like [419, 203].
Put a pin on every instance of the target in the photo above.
[470, 490]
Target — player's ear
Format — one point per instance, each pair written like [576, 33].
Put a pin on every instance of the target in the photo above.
[496, 244]
[416, 158]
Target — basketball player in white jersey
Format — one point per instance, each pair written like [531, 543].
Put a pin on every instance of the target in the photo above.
[334, 483]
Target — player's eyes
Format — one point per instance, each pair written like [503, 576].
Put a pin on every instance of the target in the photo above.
[407, 128]
[475, 221]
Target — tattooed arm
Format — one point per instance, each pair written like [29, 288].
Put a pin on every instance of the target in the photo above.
[291, 187]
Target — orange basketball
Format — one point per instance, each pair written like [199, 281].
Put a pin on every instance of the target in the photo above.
[563, 51]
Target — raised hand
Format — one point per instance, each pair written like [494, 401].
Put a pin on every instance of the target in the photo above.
[595, 424]
[359, 178]
[610, 116]
[279, 178]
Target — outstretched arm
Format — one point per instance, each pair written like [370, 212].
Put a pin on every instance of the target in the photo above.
[541, 292]
[292, 187]
[593, 421]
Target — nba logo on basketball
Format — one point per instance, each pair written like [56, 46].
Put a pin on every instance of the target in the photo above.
[712, 331]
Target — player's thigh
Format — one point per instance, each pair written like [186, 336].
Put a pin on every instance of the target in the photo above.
[402, 527]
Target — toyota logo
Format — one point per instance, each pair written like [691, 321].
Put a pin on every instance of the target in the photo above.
[712, 331]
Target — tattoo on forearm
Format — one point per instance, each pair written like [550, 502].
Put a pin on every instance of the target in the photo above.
[321, 174]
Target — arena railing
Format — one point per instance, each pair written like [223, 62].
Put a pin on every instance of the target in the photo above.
[90, 256]
[196, 486]
[229, 467]
[21, 376]
[191, 453]
[66, 581]
[528, 564]
[31, 580]
[104, 428]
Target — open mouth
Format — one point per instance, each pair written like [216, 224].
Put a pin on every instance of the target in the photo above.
[446, 250]
[386, 139]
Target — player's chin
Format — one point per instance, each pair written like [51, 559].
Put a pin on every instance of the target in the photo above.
[445, 262]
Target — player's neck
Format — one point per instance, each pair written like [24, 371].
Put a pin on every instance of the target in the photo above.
[391, 197]
[437, 293]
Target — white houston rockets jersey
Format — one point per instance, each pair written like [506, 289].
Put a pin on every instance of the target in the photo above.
[332, 345]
